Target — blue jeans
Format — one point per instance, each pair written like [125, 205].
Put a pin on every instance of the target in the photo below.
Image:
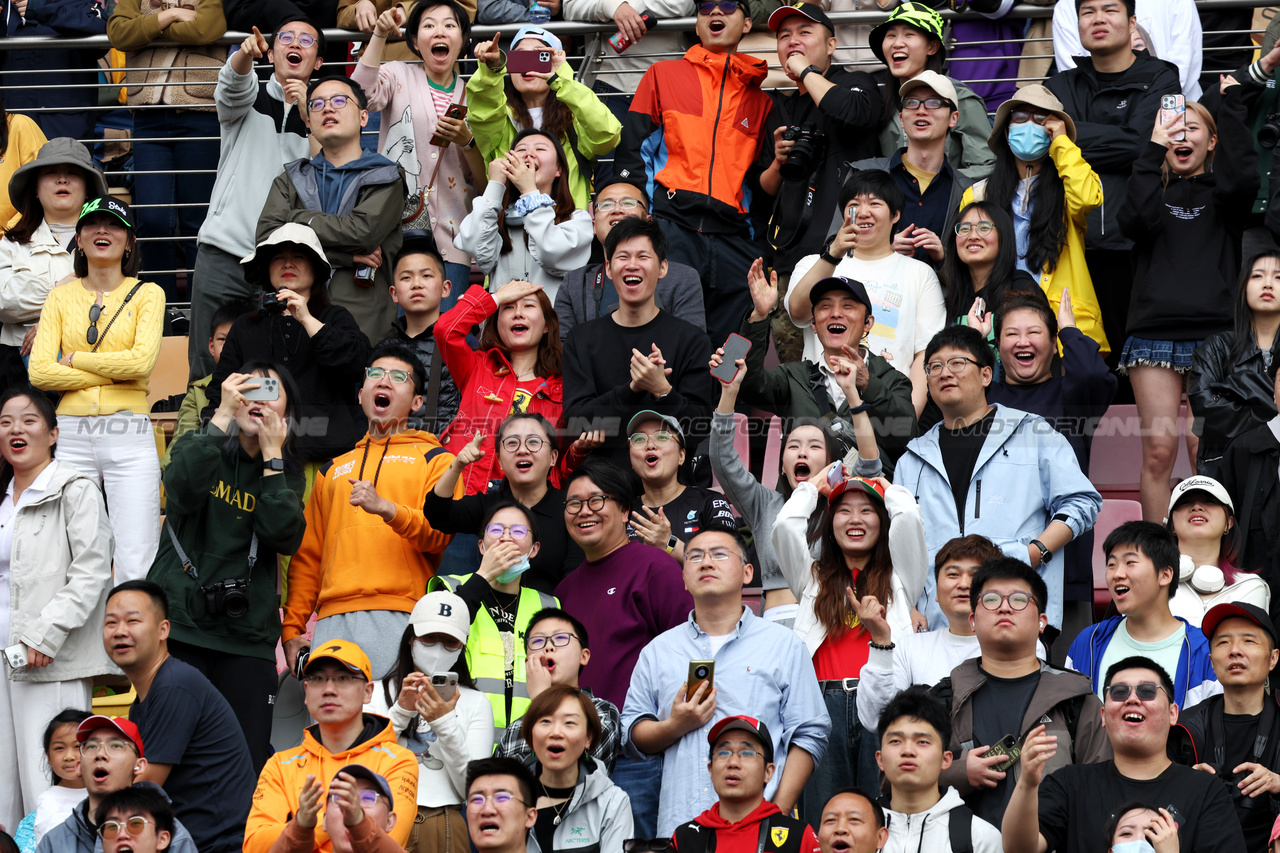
[850, 758]
[462, 557]
[155, 195]
[459, 276]
[642, 781]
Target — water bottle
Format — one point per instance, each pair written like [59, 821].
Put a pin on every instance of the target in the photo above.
[538, 14]
[619, 41]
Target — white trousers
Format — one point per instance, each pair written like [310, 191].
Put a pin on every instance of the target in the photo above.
[119, 451]
[26, 707]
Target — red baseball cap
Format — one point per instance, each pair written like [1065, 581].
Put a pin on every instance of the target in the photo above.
[746, 724]
[120, 724]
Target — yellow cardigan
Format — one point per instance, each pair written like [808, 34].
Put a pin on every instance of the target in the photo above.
[113, 379]
[1083, 190]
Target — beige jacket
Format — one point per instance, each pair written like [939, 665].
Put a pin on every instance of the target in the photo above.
[133, 27]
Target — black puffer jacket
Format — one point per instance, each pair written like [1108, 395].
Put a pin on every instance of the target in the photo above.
[448, 398]
[1229, 396]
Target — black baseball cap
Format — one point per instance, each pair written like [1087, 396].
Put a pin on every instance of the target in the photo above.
[359, 771]
[1231, 609]
[853, 287]
[812, 11]
[109, 205]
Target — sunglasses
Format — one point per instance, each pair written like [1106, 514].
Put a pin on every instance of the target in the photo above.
[133, 826]
[726, 7]
[1120, 692]
[1024, 116]
[95, 311]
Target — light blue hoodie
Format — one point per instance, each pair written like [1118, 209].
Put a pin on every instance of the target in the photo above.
[1026, 476]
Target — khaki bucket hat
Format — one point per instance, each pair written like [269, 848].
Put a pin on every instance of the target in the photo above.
[60, 151]
[297, 234]
[1036, 97]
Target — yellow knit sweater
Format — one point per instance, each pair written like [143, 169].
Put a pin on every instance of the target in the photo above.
[113, 379]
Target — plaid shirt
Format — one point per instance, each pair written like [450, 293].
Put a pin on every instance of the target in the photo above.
[514, 746]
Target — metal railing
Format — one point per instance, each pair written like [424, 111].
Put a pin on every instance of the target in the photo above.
[590, 64]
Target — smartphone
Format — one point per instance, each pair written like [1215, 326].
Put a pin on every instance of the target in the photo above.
[700, 671]
[1175, 814]
[836, 475]
[454, 111]
[1172, 106]
[445, 683]
[982, 306]
[1007, 746]
[16, 655]
[268, 389]
[526, 61]
[735, 347]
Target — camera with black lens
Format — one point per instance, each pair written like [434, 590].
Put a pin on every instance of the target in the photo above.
[806, 154]
[1269, 133]
[271, 303]
[228, 598]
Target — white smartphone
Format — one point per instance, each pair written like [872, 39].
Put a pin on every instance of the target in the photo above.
[982, 307]
[16, 655]
[445, 684]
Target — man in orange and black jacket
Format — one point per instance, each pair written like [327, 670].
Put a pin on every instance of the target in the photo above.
[699, 138]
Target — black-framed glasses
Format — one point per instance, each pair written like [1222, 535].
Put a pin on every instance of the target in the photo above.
[531, 443]
[338, 102]
[595, 503]
[1146, 691]
[397, 376]
[1024, 116]
[624, 203]
[496, 530]
[982, 226]
[955, 365]
[289, 37]
[726, 7]
[929, 103]
[134, 826]
[1017, 600]
[95, 311]
[559, 640]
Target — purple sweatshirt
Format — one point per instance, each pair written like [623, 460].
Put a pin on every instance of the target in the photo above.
[624, 601]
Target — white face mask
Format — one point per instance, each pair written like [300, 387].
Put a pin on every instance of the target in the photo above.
[1140, 846]
[433, 658]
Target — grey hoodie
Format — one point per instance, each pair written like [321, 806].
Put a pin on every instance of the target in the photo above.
[77, 835]
[598, 818]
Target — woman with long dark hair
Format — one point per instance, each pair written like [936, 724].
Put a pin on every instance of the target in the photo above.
[516, 369]
[445, 728]
[98, 340]
[1229, 388]
[224, 611]
[55, 548]
[1042, 181]
[981, 263]
[869, 571]
[527, 226]
[297, 326]
[504, 105]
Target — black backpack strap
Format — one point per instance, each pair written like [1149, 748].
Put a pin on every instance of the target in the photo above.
[960, 826]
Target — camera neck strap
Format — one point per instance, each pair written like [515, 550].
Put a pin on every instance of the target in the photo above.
[190, 567]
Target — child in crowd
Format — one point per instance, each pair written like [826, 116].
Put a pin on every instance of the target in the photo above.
[54, 805]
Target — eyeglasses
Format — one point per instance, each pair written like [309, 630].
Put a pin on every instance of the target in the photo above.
[289, 37]
[929, 103]
[338, 102]
[531, 443]
[367, 798]
[113, 747]
[451, 644]
[744, 754]
[640, 439]
[342, 679]
[1120, 692]
[500, 799]
[397, 376]
[716, 555]
[1024, 116]
[726, 7]
[982, 226]
[1017, 600]
[518, 531]
[595, 503]
[955, 365]
[558, 640]
[95, 311]
[134, 826]
[624, 203]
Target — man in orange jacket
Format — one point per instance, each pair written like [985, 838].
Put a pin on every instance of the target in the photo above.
[291, 794]
[369, 551]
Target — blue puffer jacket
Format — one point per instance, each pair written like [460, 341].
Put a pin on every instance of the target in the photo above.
[1026, 476]
[1194, 681]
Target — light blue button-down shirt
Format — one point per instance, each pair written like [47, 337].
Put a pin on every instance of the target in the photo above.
[763, 670]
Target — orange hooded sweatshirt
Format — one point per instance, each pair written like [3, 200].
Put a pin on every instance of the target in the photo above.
[352, 560]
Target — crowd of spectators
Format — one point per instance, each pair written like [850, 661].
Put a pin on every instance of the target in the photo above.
[576, 614]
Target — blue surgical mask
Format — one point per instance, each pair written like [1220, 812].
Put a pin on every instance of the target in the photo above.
[1028, 140]
[1139, 846]
[515, 571]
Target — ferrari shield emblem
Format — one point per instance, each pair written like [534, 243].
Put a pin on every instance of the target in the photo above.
[779, 835]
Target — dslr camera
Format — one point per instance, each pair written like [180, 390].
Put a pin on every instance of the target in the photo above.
[806, 154]
[269, 302]
[228, 598]
[1269, 133]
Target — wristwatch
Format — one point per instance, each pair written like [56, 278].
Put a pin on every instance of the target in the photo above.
[1045, 554]
[672, 542]
[812, 68]
[273, 464]
[828, 257]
